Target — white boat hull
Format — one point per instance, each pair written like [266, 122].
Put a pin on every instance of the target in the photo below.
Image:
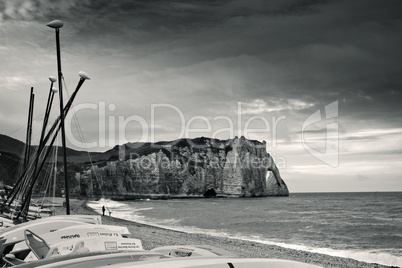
[77, 232]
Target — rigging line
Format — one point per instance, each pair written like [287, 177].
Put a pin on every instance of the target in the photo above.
[26, 180]
[21, 170]
[55, 174]
[49, 172]
[56, 128]
[36, 136]
[79, 130]
[56, 123]
[31, 163]
[33, 119]
[46, 180]
[40, 157]
[63, 114]
[28, 197]
[23, 180]
[90, 158]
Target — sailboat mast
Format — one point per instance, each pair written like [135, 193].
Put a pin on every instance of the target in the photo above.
[29, 129]
[63, 132]
[48, 108]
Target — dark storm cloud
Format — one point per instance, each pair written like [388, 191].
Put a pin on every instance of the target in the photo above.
[319, 51]
[316, 51]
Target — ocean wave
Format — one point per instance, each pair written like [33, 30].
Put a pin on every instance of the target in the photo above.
[105, 202]
[142, 209]
[124, 211]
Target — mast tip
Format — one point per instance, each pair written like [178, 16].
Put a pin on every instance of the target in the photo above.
[84, 75]
[56, 24]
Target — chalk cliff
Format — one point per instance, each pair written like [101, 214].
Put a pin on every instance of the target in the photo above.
[186, 168]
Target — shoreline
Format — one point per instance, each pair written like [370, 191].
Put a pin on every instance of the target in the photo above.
[152, 236]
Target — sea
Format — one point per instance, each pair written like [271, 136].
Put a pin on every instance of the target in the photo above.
[362, 226]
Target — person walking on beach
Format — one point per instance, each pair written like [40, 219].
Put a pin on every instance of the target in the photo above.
[103, 210]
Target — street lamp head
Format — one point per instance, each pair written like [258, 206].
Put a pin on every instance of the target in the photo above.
[84, 75]
[52, 79]
[54, 90]
[56, 24]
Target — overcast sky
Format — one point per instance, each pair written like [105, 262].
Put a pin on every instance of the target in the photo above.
[162, 70]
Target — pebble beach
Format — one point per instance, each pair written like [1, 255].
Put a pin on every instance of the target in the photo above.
[152, 237]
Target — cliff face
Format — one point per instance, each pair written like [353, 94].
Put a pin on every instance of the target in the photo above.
[187, 167]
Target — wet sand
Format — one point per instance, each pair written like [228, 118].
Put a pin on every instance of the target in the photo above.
[152, 237]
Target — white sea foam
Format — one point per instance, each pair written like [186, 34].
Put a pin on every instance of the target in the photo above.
[96, 205]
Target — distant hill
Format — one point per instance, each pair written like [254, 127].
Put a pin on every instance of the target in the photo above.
[11, 145]
[12, 151]
[8, 166]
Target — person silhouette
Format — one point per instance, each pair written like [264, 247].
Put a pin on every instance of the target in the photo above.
[103, 210]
